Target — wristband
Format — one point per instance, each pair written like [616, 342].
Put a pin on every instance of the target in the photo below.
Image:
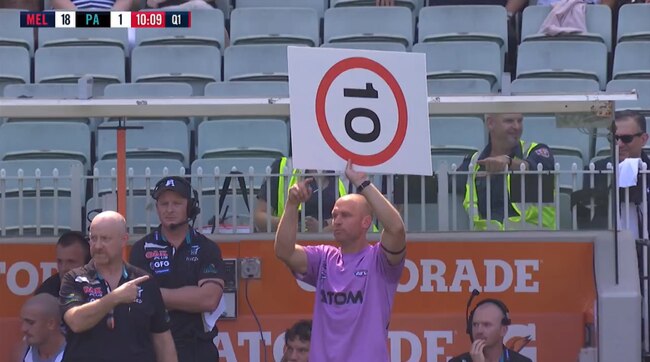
[363, 185]
[392, 252]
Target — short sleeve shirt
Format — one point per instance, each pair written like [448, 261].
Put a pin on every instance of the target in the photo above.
[196, 259]
[128, 337]
[353, 302]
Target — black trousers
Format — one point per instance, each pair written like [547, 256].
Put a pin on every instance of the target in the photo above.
[201, 351]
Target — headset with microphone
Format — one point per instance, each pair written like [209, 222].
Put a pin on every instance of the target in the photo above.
[192, 196]
[505, 321]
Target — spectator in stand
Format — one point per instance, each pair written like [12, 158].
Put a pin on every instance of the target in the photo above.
[296, 342]
[31, 5]
[179, 4]
[114, 5]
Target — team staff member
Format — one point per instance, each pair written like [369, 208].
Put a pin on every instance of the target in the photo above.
[355, 281]
[505, 148]
[187, 266]
[111, 310]
[72, 251]
[487, 325]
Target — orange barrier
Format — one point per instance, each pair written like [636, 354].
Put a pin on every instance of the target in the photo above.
[548, 286]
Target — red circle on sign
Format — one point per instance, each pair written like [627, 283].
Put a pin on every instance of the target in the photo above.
[402, 114]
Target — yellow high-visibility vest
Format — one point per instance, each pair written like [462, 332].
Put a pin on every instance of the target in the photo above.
[531, 210]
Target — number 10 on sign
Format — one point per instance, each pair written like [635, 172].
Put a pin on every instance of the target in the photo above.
[367, 106]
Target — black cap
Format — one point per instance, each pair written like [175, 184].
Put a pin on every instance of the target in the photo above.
[173, 183]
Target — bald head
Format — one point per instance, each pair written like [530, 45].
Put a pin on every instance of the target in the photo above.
[46, 304]
[363, 207]
[110, 219]
[41, 320]
[108, 236]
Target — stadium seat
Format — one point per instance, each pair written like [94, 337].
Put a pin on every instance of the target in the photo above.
[632, 60]
[46, 91]
[440, 87]
[412, 5]
[163, 139]
[598, 18]
[11, 34]
[390, 47]
[138, 178]
[45, 140]
[463, 60]
[450, 156]
[642, 87]
[274, 26]
[48, 182]
[369, 24]
[554, 86]
[316, 5]
[562, 141]
[250, 89]
[226, 165]
[207, 29]
[36, 216]
[633, 23]
[563, 59]
[193, 64]
[209, 205]
[53, 91]
[243, 138]
[53, 37]
[462, 23]
[256, 62]
[144, 90]
[140, 208]
[465, 134]
[15, 67]
[566, 164]
[105, 64]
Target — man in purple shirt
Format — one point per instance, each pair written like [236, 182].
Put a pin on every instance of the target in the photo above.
[355, 282]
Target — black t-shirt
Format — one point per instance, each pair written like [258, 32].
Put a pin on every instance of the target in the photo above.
[540, 154]
[197, 258]
[311, 206]
[51, 286]
[130, 337]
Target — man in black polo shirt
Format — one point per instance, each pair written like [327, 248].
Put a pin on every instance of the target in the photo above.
[187, 266]
[111, 310]
[72, 251]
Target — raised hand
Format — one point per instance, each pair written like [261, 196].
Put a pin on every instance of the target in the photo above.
[494, 164]
[356, 177]
[128, 292]
[476, 352]
[301, 191]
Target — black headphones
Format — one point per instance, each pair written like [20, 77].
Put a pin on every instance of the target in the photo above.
[505, 321]
[193, 209]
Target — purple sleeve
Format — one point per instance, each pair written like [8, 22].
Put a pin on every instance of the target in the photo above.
[392, 273]
[314, 257]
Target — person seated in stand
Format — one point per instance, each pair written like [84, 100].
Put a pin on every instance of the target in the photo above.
[327, 186]
[112, 5]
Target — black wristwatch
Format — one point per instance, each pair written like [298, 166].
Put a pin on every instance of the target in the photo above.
[363, 185]
[509, 161]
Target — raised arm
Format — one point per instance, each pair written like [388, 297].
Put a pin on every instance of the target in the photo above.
[285, 238]
[393, 237]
